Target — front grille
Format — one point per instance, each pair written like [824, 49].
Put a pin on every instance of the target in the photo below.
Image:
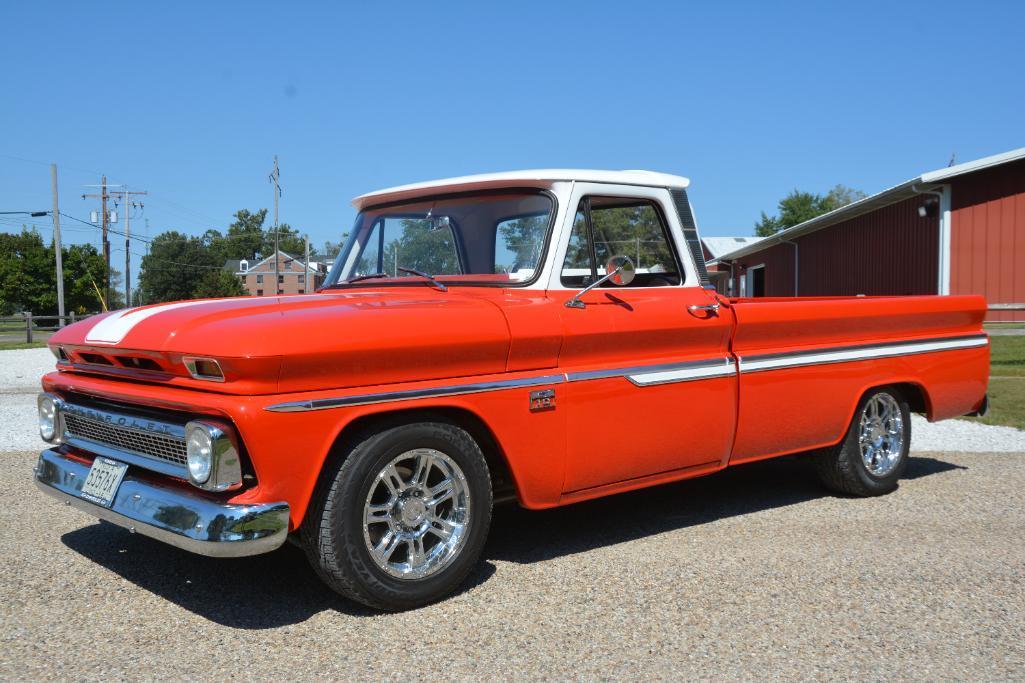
[160, 446]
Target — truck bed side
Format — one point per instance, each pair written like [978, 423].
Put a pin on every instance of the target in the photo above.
[805, 363]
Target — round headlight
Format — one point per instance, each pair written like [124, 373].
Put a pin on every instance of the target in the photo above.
[47, 418]
[199, 452]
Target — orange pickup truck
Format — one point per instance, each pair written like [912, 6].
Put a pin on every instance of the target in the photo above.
[543, 337]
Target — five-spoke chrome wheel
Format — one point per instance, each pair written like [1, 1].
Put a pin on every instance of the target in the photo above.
[881, 434]
[417, 514]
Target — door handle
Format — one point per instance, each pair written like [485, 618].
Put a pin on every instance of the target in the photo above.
[711, 309]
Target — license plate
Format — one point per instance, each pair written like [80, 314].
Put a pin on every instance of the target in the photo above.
[104, 478]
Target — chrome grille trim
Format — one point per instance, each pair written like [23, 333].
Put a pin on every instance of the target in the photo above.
[152, 444]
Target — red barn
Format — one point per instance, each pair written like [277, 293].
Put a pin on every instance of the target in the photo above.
[957, 230]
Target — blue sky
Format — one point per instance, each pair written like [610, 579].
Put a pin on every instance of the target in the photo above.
[190, 101]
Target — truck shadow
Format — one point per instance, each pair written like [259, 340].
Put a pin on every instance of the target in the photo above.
[280, 588]
[523, 536]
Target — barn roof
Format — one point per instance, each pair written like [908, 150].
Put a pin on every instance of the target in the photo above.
[905, 190]
[717, 246]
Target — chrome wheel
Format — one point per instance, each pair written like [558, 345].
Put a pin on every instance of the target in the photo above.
[417, 514]
[882, 434]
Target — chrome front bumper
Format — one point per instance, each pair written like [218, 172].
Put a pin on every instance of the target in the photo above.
[169, 514]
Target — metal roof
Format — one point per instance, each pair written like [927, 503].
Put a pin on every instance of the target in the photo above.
[532, 178]
[717, 246]
[892, 195]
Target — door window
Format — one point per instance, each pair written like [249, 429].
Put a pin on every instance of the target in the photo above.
[619, 226]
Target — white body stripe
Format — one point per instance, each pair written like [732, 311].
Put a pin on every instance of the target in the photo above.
[114, 328]
[822, 357]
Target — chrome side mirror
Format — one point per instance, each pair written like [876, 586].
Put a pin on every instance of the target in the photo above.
[619, 270]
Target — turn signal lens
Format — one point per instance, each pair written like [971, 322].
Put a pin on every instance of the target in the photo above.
[204, 368]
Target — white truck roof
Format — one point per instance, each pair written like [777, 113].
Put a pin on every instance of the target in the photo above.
[532, 178]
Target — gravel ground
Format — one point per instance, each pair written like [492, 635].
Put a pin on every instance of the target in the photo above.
[750, 574]
[20, 371]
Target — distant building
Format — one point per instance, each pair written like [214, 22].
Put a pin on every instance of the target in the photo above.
[713, 248]
[293, 277]
[955, 230]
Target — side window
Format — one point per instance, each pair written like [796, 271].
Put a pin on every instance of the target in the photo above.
[577, 269]
[409, 243]
[620, 226]
[518, 244]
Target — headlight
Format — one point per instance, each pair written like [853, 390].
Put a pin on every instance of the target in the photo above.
[212, 457]
[199, 449]
[48, 417]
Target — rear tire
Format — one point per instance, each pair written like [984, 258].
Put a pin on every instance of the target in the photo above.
[874, 453]
[402, 519]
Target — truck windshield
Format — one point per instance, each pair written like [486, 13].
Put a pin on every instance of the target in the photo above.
[487, 238]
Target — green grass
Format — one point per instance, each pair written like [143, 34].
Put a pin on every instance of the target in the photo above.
[1007, 356]
[1006, 383]
[8, 346]
[1006, 403]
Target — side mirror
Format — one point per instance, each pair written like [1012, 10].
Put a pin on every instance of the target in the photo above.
[619, 270]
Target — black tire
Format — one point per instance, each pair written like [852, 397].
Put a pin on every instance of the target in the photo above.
[842, 469]
[333, 534]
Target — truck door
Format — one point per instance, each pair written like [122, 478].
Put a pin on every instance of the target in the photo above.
[651, 388]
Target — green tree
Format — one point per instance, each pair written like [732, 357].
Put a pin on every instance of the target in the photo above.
[175, 266]
[798, 207]
[28, 276]
[219, 283]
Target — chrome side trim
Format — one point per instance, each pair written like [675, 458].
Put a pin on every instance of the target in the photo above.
[190, 521]
[846, 354]
[685, 373]
[650, 375]
[646, 375]
[413, 394]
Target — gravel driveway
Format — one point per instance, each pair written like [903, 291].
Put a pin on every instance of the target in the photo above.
[752, 573]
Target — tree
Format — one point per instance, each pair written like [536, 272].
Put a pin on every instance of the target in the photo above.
[798, 207]
[175, 266]
[219, 283]
[28, 276]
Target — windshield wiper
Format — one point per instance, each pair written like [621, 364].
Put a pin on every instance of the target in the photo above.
[368, 276]
[414, 271]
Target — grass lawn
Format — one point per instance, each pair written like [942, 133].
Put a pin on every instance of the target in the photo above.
[1006, 383]
[1007, 356]
[7, 346]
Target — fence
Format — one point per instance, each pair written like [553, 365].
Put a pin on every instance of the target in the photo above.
[34, 323]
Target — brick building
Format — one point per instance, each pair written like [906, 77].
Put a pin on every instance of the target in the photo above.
[293, 276]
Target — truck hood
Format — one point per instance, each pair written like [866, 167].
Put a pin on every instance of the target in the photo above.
[299, 343]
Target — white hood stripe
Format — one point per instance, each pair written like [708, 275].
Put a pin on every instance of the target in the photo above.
[114, 328]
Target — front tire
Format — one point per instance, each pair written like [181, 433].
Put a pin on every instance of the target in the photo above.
[402, 519]
[874, 453]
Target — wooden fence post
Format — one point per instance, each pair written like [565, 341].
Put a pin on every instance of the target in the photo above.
[28, 327]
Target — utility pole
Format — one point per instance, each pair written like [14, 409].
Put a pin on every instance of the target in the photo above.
[57, 246]
[275, 179]
[102, 196]
[126, 198]
[306, 267]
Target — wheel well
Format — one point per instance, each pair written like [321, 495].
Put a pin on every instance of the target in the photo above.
[914, 394]
[502, 484]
